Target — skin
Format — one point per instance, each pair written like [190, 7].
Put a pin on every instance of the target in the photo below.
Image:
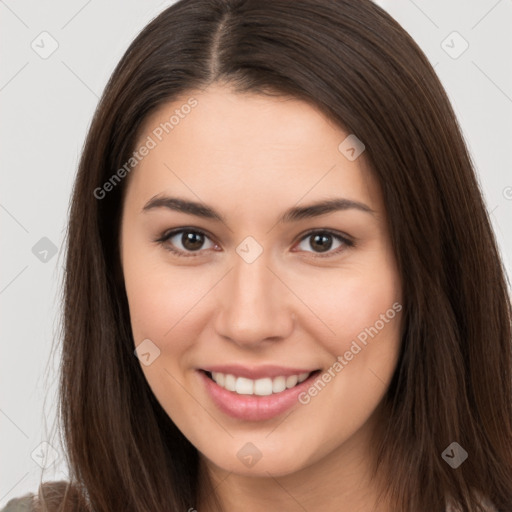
[251, 157]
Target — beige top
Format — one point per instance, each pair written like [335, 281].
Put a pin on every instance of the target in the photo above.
[26, 504]
[22, 504]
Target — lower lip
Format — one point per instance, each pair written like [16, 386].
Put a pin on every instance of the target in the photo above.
[254, 407]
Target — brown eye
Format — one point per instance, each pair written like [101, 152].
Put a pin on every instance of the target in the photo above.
[185, 242]
[323, 241]
[192, 241]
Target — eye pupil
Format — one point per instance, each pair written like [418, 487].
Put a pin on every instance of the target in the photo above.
[192, 240]
[320, 241]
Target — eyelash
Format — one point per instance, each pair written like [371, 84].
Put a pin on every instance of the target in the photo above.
[162, 240]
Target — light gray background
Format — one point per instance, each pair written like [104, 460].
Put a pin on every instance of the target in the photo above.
[47, 105]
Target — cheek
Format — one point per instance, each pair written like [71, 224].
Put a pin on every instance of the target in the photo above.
[154, 308]
[160, 296]
[368, 314]
[354, 305]
[366, 317]
[162, 309]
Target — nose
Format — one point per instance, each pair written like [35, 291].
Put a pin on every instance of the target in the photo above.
[256, 306]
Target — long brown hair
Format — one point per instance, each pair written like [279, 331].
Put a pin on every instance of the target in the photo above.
[453, 381]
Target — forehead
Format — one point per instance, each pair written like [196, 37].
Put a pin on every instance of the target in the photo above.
[232, 144]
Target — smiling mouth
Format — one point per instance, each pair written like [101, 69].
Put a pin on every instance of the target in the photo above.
[259, 387]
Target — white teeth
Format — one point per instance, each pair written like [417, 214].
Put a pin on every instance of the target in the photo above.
[229, 382]
[260, 387]
[291, 381]
[303, 377]
[278, 384]
[263, 387]
[244, 386]
[219, 378]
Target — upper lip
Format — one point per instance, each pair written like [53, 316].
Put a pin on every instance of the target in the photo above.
[256, 372]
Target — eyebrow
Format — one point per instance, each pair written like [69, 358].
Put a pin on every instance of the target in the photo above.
[293, 214]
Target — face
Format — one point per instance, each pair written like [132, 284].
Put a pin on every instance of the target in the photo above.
[267, 328]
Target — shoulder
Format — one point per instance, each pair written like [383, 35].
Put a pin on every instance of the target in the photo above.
[25, 503]
[52, 495]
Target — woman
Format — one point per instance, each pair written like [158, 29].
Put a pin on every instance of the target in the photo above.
[282, 287]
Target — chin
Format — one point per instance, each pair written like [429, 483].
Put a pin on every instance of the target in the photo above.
[249, 460]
